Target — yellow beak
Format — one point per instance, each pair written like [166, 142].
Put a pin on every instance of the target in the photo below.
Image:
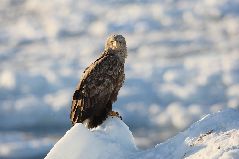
[115, 44]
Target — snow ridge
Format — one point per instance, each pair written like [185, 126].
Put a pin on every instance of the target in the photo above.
[214, 136]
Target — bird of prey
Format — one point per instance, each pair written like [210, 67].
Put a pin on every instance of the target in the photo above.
[100, 84]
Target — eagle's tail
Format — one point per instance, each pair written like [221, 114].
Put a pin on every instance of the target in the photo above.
[88, 116]
[78, 114]
[83, 112]
[75, 115]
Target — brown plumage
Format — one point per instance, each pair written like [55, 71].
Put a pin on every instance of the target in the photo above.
[100, 84]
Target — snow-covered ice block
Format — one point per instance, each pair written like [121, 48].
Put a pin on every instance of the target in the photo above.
[112, 139]
[214, 136]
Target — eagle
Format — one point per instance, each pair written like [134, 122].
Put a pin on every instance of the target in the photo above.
[100, 84]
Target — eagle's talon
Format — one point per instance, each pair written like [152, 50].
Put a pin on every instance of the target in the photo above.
[113, 113]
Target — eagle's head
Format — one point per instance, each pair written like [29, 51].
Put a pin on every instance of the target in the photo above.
[117, 43]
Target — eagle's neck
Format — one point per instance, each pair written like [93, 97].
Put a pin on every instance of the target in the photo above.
[122, 54]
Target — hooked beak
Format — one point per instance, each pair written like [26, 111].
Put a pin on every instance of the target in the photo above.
[115, 44]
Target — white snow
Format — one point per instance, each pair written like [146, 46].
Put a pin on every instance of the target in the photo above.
[215, 136]
[110, 140]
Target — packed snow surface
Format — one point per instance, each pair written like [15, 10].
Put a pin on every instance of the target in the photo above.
[215, 136]
[110, 140]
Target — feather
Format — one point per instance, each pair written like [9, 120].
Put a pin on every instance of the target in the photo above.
[100, 84]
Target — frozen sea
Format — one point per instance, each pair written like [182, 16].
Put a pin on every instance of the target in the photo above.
[182, 64]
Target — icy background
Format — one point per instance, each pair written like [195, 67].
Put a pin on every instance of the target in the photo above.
[182, 64]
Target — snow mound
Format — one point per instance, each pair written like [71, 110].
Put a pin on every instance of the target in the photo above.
[211, 137]
[214, 136]
[110, 140]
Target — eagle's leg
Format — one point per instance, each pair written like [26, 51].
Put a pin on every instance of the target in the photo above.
[114, 113]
